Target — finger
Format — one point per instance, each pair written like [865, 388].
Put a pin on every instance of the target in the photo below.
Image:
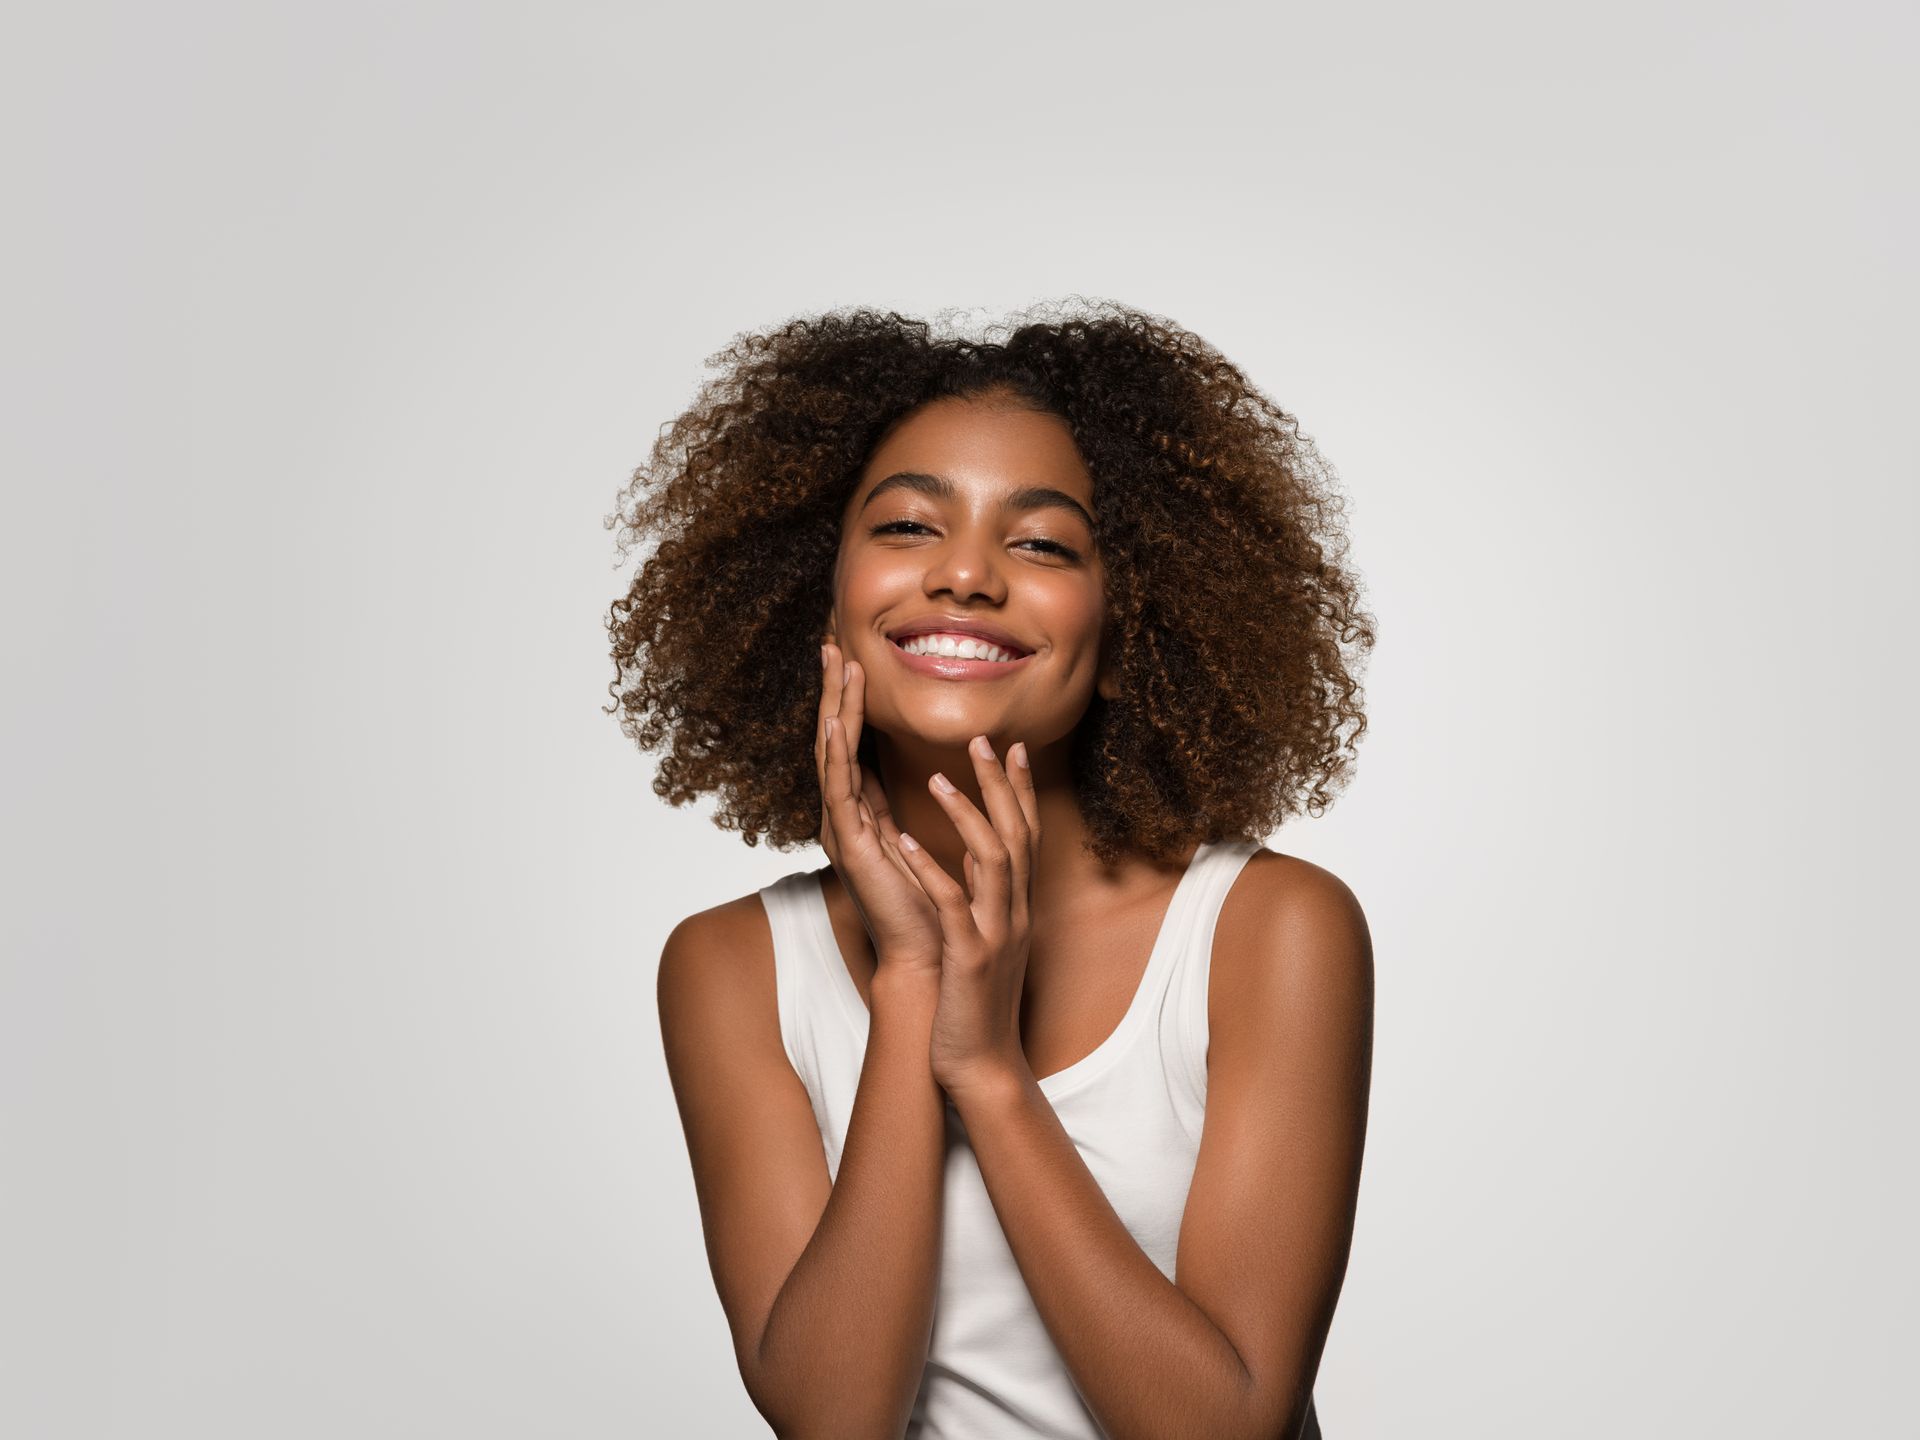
[842, 804]
[1021, 774]
[868, 818]
[830, 685]
[879, 811]
[992, 872]
[949, 900]
[853, 709]
[1022, 777]
[1003, 809]
[875, 795]
[894, 853]
[882, 812]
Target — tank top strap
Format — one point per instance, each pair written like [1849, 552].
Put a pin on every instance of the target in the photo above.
[822, 1017]
[809, 1006]
[1219, 865]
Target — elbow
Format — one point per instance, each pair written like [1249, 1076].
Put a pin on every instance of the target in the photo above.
[779, 1405]
[791, 1415]
[1280, 1413]
[1273, 1407]
[828, 1427]
[844, 1398]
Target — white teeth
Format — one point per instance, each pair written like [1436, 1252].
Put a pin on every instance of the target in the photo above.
[960, 647]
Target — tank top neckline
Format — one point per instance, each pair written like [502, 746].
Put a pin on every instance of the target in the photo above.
[1167, 940]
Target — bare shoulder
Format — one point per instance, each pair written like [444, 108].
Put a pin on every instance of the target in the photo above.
[1289, 929]
[717, 935]
[718, 960]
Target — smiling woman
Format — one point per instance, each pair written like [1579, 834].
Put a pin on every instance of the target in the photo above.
[995, 546]
[1040, 1109]
[1233, 625]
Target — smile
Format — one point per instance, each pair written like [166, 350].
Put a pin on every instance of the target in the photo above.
[956, 657]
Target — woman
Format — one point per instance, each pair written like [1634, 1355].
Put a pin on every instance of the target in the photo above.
[1040, 1109]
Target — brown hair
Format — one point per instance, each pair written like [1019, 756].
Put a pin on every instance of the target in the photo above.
[1237, 630]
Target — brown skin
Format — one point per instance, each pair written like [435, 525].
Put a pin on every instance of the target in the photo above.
[968, 556]
[828, 1285]
[1234, 630]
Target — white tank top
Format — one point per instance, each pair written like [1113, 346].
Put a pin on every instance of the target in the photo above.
[1133, 1108]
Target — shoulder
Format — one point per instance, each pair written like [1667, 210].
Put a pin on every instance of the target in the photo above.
[713, 935]
[1275, 888]
[1291, 935]
[714, 959]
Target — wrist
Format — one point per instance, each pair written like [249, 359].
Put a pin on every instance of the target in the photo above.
[986, 1084]
[899, 981]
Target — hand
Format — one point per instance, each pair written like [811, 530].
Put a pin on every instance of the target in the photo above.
[984, 927]
[858, 832]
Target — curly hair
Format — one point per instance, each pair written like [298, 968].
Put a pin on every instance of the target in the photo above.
[1238, 631]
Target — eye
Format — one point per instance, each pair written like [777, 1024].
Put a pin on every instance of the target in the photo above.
[1054, 547]
[1040, 542]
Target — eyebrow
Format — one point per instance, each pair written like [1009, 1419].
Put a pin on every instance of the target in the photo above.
[1030, 497]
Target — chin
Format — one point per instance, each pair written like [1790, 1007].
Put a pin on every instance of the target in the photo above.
[943, 734]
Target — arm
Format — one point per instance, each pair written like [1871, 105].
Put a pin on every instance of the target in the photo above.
[1230, 1350]
[828, 1285]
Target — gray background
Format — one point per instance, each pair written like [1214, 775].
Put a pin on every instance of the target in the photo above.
[333, 1101]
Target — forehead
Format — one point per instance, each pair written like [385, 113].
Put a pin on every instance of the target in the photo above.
[984, 446]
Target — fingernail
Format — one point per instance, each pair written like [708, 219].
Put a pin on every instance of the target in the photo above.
[983, 747]
[846, 673]
[831, 722]
[942, 784]
[823, 657]
[1019, 753]
[907, 842]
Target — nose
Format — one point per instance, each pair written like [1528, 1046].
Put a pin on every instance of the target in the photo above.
[966, 567]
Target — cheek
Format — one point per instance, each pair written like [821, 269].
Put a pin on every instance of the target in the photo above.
[1078, 610]
[867, 583]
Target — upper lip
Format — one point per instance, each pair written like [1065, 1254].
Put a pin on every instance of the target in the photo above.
[956, 625]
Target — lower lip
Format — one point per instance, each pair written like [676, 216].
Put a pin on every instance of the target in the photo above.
[954, 667]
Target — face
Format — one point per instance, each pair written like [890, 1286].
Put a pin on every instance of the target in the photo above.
[973, 512]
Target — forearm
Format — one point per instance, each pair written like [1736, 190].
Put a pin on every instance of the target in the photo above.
[1147, 1361]
[845, 1343]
